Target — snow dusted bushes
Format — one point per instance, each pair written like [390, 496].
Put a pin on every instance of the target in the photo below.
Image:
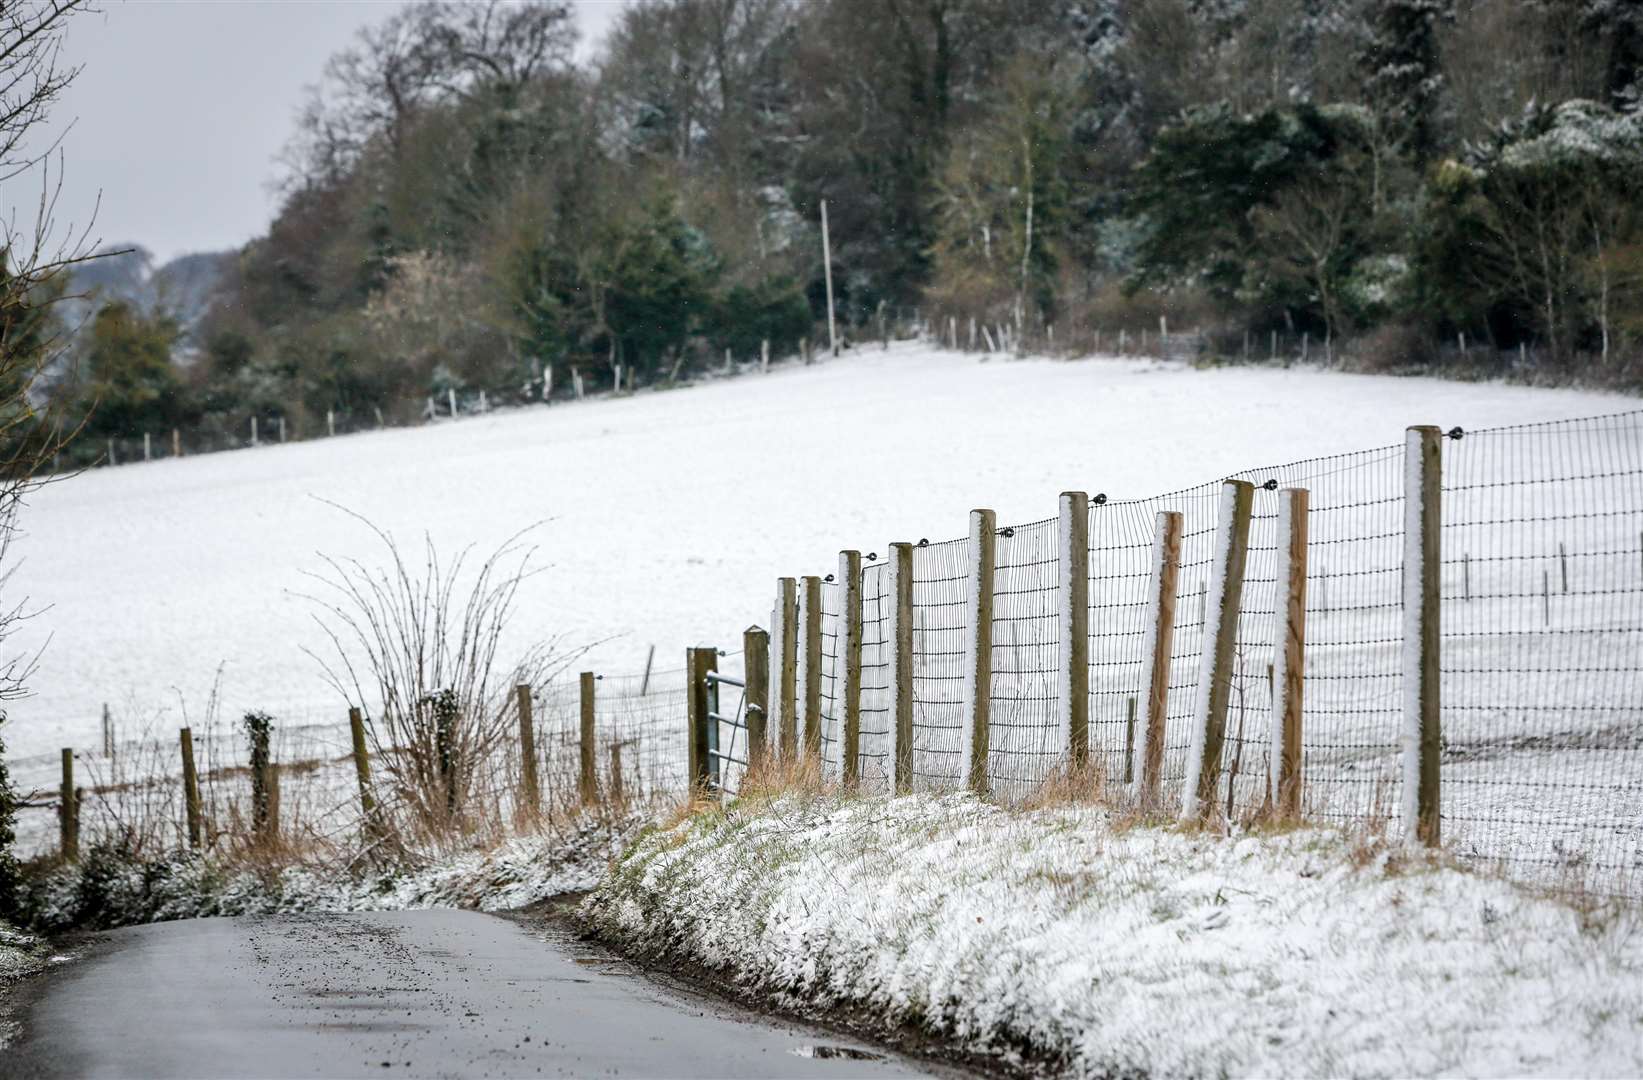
[1057, 937]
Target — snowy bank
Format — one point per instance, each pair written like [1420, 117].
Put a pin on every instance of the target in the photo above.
[1144, 950]
[110, 888]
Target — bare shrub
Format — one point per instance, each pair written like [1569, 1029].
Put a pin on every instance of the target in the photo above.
[424, 645]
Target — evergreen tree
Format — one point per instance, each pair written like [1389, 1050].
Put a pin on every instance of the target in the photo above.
[1403, 74]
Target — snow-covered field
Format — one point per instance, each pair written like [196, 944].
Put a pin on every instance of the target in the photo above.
[667, 515]
[1137, 952]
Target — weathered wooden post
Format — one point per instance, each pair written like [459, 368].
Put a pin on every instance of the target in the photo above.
[587, 783]
[108, 732]
[1218, 658]
[176, 443]
[148, 447]
[901, 668]
[330, 423]
[1073, 600]
[1129, 741]
[282, 429]
[784, 677]
[698, 662]
[68, 814]
[978, 648]
[191, 788]
[849, 665]
[1160, 631]
[258, 727]
[530, 789]
[1422, 554]
[810, 656]
[254, 440]
[362, 771]
[756, 663]
[1289, 662]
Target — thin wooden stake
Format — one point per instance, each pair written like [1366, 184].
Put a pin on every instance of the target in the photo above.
[1288, 670]
[1422, 555]
[978, 646]
[1073, 601]
[587, 783]
[530, 784]
[1216, 664]
[191, 788]
[1129, 741]
[1160, 626]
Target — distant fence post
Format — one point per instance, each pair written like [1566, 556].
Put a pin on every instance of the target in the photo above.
[1289, 663]
[901, 668]
[849, 669]
[258, 727]
[587, 782]
[68, 815]
[1218, 659]
[1073, 595]
[176, 443]
[191, 788]
[978, 648]
[531, 790]
[1160, 631]
[784, 683]
[1422, 565]
[756, 665]
[810, 655]
[148, 447]
[362, 771]
[698, 662]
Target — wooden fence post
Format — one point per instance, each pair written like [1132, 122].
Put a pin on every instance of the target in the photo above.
[259, 727]
[848, 671]
[68, 815]
[1422, 554]
[191, 788]
[756, 667]
[176, 443]
[362, 771]
[587, 783]
[978, 647]
[1073, 595]
[531, 789]
[901, 668]
[1289, 663]
[698, 662]
[1160, 631]
[1218, 659]
[784, 681]
[148, 447]
[810, 656]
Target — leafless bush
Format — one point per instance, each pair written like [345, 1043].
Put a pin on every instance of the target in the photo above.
[424, 644]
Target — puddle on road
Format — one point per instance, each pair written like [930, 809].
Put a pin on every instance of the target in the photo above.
[823, 1052]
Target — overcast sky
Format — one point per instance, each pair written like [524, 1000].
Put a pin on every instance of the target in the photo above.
[183, 105]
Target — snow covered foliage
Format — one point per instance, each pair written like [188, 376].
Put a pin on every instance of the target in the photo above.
[1058, 937]
[111, 887]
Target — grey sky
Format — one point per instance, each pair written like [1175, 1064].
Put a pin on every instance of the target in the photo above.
[183, 105]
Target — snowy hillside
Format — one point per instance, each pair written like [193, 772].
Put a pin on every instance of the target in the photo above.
[666, 516]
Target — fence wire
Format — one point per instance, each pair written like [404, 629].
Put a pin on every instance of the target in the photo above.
[1024, 740]
[940, 591]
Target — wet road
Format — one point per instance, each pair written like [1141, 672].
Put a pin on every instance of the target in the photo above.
[413, 993]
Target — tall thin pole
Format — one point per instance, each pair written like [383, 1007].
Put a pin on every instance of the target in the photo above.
[827, 269]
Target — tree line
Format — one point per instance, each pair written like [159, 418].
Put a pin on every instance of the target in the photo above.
[468, 205]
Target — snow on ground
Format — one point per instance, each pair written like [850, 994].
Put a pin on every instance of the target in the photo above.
[1137, 952]
[668, 514]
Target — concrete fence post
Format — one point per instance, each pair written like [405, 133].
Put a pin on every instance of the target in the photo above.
[978, 648]
[1422, 565]
[1159, 642]
[1217, 662]
[1073, 624]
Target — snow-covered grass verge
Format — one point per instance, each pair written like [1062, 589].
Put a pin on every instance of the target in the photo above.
[109, 887]
[21, 955]
[1060, 937]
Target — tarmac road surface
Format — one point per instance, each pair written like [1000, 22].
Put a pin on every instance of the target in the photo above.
[407, 993]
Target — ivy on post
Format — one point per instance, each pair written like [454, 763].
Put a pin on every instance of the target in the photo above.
[978, 648]
[1422, 564]
[1218, 657]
